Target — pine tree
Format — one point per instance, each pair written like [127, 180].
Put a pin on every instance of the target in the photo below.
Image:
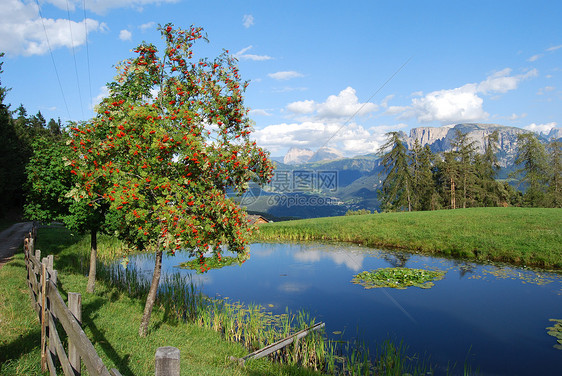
[465, 156]
[422, 177]
[487, 166]
[534, 171]
[554, 194]
[449, 177]
[396, 190]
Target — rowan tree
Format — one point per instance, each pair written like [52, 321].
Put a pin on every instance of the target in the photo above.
[164, 147]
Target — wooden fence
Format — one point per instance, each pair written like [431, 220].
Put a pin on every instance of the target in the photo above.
[52, 311]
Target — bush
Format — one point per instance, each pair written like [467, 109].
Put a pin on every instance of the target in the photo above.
[358, 212]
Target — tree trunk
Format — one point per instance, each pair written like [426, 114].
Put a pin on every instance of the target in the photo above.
[151, 298]
[453, 193]
[93, 257]
[464, 194]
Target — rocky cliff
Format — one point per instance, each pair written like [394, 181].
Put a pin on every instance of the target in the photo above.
[440, 139]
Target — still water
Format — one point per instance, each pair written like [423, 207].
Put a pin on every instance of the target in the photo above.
[490, 317]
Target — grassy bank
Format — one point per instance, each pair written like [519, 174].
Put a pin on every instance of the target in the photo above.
[110, 320]
[528, 236]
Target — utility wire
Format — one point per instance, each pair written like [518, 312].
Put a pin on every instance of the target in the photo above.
[87, 53]
[52, 58]
[74, 56]
[368, 100]
[394, 301]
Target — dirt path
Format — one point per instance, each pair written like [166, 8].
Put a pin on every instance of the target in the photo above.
[11, 240]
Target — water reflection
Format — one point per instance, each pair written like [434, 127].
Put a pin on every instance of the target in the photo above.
[497, 314]
[352, 259]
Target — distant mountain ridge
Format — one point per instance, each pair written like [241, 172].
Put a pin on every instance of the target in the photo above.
[358, 178]
[299, 156]
[440, 138]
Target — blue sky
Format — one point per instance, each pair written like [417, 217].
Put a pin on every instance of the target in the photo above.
[322, 73]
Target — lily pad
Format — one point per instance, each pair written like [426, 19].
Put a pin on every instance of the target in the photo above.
[398, 278]
[556, 332]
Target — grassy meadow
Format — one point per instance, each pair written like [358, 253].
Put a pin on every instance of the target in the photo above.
[522, 236]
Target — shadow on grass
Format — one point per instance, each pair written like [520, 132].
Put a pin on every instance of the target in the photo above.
[89, 313]
[22, 345]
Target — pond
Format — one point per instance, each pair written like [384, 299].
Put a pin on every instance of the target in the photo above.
[492, 318]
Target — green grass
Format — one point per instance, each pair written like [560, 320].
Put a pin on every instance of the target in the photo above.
[523, 236]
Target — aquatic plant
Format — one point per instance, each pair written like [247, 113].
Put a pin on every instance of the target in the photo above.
[556, 332]
[398, 278]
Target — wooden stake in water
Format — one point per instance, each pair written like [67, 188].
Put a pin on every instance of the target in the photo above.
[279, 344]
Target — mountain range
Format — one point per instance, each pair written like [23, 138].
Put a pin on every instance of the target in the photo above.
[299, 186]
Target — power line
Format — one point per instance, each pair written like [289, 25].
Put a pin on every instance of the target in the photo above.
[74, 56]
[52, 58]
[87, 51]
[367, 101]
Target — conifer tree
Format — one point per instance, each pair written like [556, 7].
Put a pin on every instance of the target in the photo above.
[533, 171]
[422, 177]
[486, 167]
[396, 190]
[465, 154]
[554, 194]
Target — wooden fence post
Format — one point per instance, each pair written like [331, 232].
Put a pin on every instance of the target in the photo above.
[75, 306]
[43, 318]
[167, 361]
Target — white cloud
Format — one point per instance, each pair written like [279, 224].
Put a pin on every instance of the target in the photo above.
[147, 26]
[447, 106]
[286, 75]
[534, 58]
[247, 20]
[352, 139]
[541, 128]
[260, 112]
[288, 89]
[302, 107]
[501, 82]
[461, 104]
[546, 89]
[514, 116]
[344, 105]
[242, 55]
[125, 35]
[384, 102]
[102, 6]
[538, 56]
[22, 30]
[554, 48]
[103, 93]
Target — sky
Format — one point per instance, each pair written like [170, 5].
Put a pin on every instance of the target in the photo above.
[322, 73]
